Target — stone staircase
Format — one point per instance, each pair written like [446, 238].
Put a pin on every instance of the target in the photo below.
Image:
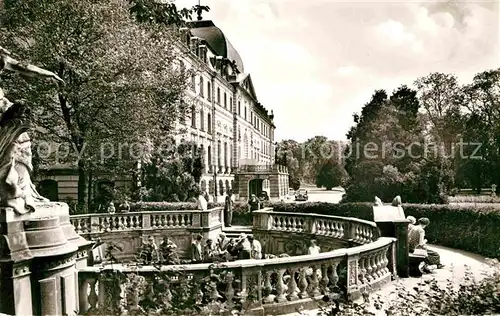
[235, 231]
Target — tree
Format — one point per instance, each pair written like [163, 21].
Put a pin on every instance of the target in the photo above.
[123, 80]
[330, 175]
[173, 175]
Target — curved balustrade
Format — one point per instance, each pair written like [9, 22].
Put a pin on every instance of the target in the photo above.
[349, 229]
[270, 283]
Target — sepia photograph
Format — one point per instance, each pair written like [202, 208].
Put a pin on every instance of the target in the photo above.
[250, 157]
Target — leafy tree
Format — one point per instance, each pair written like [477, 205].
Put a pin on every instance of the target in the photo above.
[123, 82]
[330, 175]
[173, 175]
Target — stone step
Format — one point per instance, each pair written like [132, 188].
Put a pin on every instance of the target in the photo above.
[235, 231]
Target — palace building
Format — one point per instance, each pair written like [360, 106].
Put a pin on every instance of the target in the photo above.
[226, 120]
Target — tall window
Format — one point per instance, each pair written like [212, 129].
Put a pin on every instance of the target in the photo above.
[209, 91]
[231, 104]
[225, 100]
[218, 95]
[209, 123]
[193, 116]
[202, 86]
[219, 153]
[209, 154]
[239, 108]
[245, 112]
[225, 154]
[193, 82]
[202, 120]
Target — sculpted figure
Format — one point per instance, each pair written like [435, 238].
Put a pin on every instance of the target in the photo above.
[16, 188]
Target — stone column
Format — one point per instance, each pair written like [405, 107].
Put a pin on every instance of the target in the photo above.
[402, 252]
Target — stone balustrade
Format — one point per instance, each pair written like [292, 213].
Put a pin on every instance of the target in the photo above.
[105, 223]
[128, 230]
[332, 232]
[357, 260]
[267, 284]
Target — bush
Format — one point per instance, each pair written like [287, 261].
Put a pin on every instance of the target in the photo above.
[474, 199]
[474, 229]
[470, 297]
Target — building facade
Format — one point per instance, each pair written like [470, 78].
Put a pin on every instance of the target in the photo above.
[224, 118]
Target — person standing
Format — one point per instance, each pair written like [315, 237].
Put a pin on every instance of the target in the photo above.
[228, 209]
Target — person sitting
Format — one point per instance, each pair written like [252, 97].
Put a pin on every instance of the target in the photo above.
[313, 248]
[168, 251]
[209, 251]
[243, 246]
[197, 250]
[416, 240]
[255, 248]
[412, 223]
[232, 250]
[149, 251]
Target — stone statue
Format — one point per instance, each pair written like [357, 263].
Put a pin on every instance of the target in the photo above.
[16, 188]
[397, 201]
[378, 201]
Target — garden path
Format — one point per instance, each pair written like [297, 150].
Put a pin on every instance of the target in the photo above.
[456, 263]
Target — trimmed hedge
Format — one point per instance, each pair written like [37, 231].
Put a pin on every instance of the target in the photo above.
[474, 228]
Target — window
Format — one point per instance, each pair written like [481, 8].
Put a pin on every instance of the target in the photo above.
[209, 123]
[218, 95]
[239, 108]
[219, 153]
[209, 91]
[202, 86]
[230, 104]
[193, 82]
[182, 113]
[225, 154]
[209, 154]
[193, 116]
[251, 118]
[245, 112]
[225, 100]
[202, 120]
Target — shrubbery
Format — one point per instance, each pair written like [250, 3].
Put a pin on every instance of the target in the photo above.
[474, 229]
[469, 297]
[474, 199]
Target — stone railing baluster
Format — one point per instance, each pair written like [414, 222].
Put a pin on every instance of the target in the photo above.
[325, 280]
[303, 284]
[92, 298]
[314, 285]
[292, 287]
[268, 288]
[280, 287]
[229, 293]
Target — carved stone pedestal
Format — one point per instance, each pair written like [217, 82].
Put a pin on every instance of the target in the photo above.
[39, 256]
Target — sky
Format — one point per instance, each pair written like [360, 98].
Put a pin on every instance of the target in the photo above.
[316, 62]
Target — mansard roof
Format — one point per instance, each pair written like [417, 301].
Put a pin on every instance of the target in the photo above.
[217, 41]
